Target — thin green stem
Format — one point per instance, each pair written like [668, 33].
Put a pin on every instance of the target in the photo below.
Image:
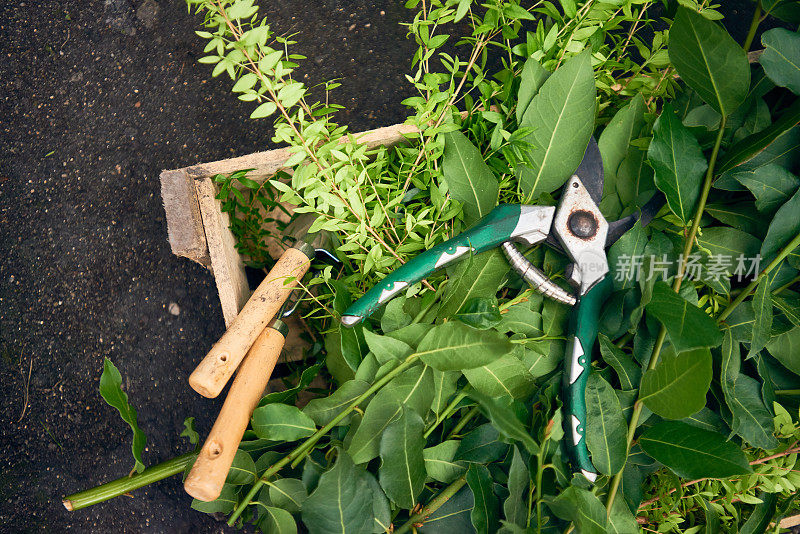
[676, 285]
[787, 392]
[434, 505]
[123, 485]
[449, 409]
[787, 285]
[463, 422]
[751, 33]
[299, 452]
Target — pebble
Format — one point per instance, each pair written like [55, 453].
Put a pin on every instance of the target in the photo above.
[174, 309]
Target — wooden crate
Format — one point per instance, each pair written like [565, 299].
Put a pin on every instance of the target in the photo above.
[199, 230]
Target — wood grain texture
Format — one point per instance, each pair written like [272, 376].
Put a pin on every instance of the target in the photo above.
[210, 470]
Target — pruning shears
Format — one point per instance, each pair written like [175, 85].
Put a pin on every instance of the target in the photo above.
[578, 229]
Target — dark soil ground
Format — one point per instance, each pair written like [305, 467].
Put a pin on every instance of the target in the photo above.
[97, 98]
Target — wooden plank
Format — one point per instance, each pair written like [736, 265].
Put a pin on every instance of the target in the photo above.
[185, 231]
[225, 260]
[266, 164]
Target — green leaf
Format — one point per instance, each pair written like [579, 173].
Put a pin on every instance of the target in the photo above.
[412, 389]
[781, 135]
[455, 346]
[480, 313]
[786, 349]
[628, 372]
[616, 139]
[709, 61]
[288, 494]
[223, 504]
[520, 319]
[742, 216]
[762, 314]
[462, 9]
[281, 422]
[402, 471]
[394, 317]
[677, 387]
[692, 452]
[386, 348]
[444, 383]
[506, 375]
[469, 180]
[190, 432]
[790, 308]
[688, 326]
[519, 479]
[531, 80]
[772, 185]
[439, 463]
[453, 517]
[276, 521]
[484, 513]
[582, 507]
[606, 429]
[264, 110]
[678, 162]
[762, 514]
[245, 82]
[621, 520]
[242, 471]
[322, 411]
[338, 504]
[478, 276]
[711, 517]
[504, 419]
[481, 445]
[781, 58]
[751, 418]
[783, 228]
[621, 254]
[729, 242]
[380, 505]
[562, 118]
[111, 391]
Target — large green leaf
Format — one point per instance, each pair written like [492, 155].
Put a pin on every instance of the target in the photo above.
[323, 410]
[582, 507]
[621, 520]
[728, 242]
[411, 389]
[469, 180]
[677, 387]
[506, 375]
[762, 515]
[338, 504]
[386, 348]
[783, 228]
[242, 470]
[481, 445]
[402, 471]
[741, 215]
[439, 463]
[111, 391]
[606, 429]
[503, 417]
[692, 452]
[628, 371]
[709, 61]
[225, 503]
[751, 418]
[678, 162]
[615, 144]
[531, 80]
[455, 346]
[519, 479]
[444, 383]
[484, 513]
[477, 276]
[688, 326]
[453, 517]
[762, 317]
[786, 349]
[772, 185]
[561, 116]
[781, 57]
[276, 521]
[281, 422]
[622, 253]
[288, 493]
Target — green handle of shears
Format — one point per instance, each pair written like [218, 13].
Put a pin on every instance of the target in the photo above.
[491, 230]
[577, 366]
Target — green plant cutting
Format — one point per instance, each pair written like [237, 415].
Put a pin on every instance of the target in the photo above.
[532, 331]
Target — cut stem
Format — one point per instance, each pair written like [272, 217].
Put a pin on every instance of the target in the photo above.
[123, 485]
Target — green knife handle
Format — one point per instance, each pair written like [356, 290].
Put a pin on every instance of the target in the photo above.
[494, 228]
[577, 366]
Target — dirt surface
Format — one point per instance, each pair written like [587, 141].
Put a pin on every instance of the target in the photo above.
[98, 97]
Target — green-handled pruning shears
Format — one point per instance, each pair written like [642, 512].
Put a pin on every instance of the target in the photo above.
[576, 228]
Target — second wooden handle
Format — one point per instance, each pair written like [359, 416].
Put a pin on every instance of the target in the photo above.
[218, 366]
[211, 468]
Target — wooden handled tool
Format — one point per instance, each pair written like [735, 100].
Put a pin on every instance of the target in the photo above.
[218, 366]
[211, 468]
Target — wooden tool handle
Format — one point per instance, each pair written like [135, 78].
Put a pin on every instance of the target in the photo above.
[211, 468]
[218, 366]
